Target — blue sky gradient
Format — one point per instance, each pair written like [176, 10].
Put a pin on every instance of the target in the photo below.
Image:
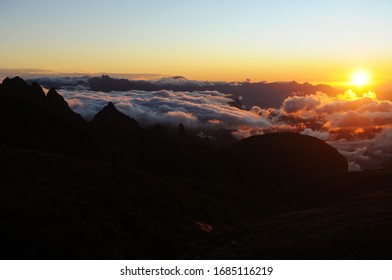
[239, 39]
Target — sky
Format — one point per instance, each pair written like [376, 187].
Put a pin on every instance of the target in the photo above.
[306, 41]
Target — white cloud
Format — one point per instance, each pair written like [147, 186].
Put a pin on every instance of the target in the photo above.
[197, 109]
[359, 127]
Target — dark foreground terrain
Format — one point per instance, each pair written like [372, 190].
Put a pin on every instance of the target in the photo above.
[109, 189]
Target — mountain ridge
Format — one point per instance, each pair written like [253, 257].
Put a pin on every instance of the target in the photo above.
[251, 94]
[246, 94]
[110, 189]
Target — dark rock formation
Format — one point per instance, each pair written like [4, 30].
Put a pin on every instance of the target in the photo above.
[181, 130]
[18, 88]
[298, 157]
[114, 190]
[287, 167]
[110, 119]
[32, 120]
[57, 105]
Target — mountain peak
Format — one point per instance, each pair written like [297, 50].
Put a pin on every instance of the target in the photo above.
[110, 116]
[17, 87]
[16, 84]
[57, 105]
[55, 100]
[52, 93]
[15, 79]
[111, 111]
[110, 106]
[33, 120]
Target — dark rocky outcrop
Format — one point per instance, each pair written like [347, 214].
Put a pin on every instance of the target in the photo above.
[109, 120]
[18, 88]
[58, 106]
[109, 189]
[298, 157]
[285, 166]
[122, 139]
[31, 119]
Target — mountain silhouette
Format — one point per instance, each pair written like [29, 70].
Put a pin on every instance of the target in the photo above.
[247, 94]
[285, 166]
[110, 119]
[122, 139]
[298, 156]
[111, 189]
[18, 88]
[58, 106]
[32, 119]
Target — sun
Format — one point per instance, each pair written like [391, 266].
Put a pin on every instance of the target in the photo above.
[360, 78]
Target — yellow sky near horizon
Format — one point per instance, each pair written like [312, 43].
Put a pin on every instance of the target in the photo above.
[320, 42]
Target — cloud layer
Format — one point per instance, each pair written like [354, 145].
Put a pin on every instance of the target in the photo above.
[202, 109]
[359, 126]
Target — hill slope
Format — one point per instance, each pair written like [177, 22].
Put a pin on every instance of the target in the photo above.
[110, 189]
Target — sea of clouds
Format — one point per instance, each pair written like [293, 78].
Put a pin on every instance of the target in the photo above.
[205, 109]
[359, 126]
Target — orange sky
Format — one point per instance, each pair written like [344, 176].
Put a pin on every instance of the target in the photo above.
[224, 40]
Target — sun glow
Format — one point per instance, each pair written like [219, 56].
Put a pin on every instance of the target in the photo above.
[360, 78]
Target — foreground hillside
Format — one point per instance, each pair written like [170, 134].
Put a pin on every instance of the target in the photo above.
[354, 227]
[110, 189]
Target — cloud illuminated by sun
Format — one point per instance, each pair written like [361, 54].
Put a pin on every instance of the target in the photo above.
[350, 95]
[360, 78]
